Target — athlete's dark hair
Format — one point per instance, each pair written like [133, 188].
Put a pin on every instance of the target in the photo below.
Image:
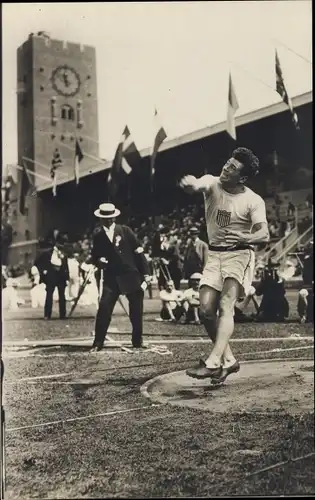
[249, 160]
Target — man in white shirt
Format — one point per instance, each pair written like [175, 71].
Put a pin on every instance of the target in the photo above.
[172, 303]
[236, 220]
[72, 289]
[192, 300]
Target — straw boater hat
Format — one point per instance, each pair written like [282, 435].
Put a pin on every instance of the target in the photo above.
[107, 211]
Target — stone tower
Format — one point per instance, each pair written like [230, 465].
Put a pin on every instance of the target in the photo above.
[56, 106]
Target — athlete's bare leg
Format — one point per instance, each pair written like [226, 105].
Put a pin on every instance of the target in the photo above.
[221, 352]
[209, 302]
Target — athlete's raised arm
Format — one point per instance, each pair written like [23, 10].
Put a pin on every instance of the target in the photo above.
[190, 184]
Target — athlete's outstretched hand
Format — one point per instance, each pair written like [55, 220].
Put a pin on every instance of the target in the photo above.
[188, 184]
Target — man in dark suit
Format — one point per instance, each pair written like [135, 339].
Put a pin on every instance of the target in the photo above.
[117, 250]
[54, 272]
[196, 254]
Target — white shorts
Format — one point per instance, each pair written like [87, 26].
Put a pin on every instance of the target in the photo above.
[239, 264]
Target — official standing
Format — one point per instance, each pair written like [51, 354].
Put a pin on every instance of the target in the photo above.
[54, 272]
[117, 250]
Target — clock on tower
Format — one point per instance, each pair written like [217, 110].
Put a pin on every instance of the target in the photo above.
[65, 81]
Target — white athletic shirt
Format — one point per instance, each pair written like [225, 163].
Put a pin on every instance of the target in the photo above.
[191, 295]
[172, 297]
[225, 211]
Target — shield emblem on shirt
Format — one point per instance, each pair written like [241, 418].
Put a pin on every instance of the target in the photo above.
[223, 218]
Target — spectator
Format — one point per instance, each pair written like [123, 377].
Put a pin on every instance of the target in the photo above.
[273, 229]
[172, 303]
[305, 304]
[291, 209]
[38, 288]
[242, 304]
[192, 301]
[274, 305]
[174, 265]
[147, 254]
[10, 298]
[196, 254]
[74, 276]
[54, 271]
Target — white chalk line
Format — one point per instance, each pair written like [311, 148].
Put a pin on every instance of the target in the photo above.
[86, 417]
[87, 341]
[118, 345]
[61, 375]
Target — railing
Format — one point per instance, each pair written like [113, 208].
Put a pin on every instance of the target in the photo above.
[281, 245]
[303, 239]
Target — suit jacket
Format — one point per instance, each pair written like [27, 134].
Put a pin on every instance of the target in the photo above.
[195, 257]
[47, 271]
[127, 265]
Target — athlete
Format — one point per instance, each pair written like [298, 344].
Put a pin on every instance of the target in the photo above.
[236, 221]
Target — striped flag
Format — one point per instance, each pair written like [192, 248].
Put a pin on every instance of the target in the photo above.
[56, 162]
[160, 136]
[282, 91]
[126, 157]
[27, 188]
[232, 108]
[78, 157]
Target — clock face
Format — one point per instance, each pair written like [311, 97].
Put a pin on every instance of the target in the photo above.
[65, 81]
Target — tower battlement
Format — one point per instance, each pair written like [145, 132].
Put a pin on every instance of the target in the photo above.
[68, 48]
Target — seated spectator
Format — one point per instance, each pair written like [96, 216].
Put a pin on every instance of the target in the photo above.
[10, 298]
[191, 300]
[172, 303]
[274, 305]
[305, 304]
[242, 304]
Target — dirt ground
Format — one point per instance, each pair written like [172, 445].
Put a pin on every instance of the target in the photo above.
[80, 425]
[285, 386]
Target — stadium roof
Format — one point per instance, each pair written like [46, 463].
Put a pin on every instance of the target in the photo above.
[253, 116]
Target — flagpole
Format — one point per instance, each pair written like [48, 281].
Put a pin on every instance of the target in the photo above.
[254, 77]
[293, 51]
[18, 167]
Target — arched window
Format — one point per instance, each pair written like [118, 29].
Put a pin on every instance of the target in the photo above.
[67, 112]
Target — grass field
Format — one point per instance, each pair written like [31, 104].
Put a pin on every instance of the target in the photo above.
[78, 426]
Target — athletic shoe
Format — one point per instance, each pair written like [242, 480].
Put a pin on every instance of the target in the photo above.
[303, 319]
[225, 373]
[201, 371]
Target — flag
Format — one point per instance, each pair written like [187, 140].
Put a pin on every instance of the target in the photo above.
[27, 188]
[56, 162]
[282, 91]
[78, 157]
[126, 157]
[232, 108]
[160, 136]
